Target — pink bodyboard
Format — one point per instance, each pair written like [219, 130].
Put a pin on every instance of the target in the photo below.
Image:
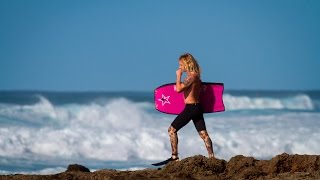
[167, 100]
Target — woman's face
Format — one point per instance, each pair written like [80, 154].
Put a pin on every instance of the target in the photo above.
[181, 66]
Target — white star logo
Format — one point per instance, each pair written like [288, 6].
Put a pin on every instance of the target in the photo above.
[164, 99]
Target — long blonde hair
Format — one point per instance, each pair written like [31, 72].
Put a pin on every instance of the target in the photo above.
[190, 63]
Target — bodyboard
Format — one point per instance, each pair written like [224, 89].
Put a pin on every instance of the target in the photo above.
[167, 100]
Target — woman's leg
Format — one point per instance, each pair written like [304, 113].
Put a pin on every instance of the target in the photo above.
[202, 130]
[180, 121]
[207, 141]
[174, 141]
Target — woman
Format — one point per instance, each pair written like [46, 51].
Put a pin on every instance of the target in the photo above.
[191, 87]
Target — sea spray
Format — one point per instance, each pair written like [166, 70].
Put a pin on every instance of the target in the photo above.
[43, 131]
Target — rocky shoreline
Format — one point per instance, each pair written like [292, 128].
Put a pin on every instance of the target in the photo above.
[283, 166]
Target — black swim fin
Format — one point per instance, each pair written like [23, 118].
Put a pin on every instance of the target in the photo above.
[165, 162]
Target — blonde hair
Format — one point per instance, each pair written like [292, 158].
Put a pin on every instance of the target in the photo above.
[190, 63]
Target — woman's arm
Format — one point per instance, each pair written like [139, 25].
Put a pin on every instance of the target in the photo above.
[182, 86]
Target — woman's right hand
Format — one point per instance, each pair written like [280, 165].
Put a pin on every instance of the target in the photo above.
[179, 72]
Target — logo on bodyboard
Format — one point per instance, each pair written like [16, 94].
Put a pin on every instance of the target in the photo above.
[164, 100]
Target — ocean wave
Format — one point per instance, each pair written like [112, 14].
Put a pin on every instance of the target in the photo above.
[115, 131]
[297, 102]
[123, 130]
[46, 171]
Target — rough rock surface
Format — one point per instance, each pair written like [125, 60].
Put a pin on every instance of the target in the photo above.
[77, 168]
[283, 166]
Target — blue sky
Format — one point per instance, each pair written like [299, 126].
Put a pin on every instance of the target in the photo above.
[69, 45]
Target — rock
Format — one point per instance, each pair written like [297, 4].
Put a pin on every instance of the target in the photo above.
[77, 168]
[197, 166]
[241, 167]
[283, 166]
[294, 163]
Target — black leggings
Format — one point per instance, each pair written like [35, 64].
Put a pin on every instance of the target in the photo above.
[191, 111]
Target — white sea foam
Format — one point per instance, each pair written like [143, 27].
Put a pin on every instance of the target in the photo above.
[117, 130]
[46, 171]
[298, 102]
[121, 130]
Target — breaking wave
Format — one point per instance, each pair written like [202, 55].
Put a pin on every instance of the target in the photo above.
[127, 131]
[297, 102]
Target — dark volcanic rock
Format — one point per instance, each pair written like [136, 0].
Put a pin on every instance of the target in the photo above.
[294, 163]
[77, 168]
[197, 166]
[283, 166]
[241, 167]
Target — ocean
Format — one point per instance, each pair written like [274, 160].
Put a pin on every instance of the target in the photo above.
[44, 132]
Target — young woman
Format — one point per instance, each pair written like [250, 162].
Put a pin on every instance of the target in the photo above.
[191, 87]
